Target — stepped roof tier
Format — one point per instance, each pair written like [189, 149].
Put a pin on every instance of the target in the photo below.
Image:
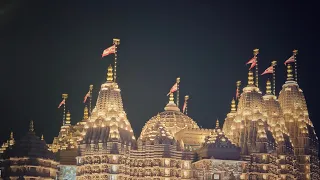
[218, 146]
[172, 119]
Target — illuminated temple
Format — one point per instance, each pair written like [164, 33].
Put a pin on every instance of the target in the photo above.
[264, 137]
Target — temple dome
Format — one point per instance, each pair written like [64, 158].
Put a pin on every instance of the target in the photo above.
[172, 119]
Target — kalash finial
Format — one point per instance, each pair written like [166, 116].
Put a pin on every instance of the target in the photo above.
[250, 78]
[171, 98]
[85, 113]
[233, 106]
[68, 118]
[268, 87]
[289, 73]
[217, 124]
[110, 74]
[31, 129]
[42, 138]
[11, 135]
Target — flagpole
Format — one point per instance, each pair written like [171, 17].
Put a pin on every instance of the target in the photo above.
[64, 96]
[186, 101]
[90, 91]
[116, 42]
[255, 53]
[178, 82]
[295, 52]
[274, 63]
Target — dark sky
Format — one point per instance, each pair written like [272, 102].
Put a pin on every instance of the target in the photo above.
[52, 47]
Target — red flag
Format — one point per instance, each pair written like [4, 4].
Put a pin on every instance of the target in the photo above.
[251, 60]
[269, 70]
[290, 60]
[253, 64]
[184, 106]
[109, 50]
[62, 102]
[86, 96]
[173, 89]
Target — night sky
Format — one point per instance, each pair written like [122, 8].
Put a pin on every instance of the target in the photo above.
[52, 47]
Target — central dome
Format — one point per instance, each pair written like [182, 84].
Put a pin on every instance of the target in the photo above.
[171, 118]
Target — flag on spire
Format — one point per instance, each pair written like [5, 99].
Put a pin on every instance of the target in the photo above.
[269, 70]
[109, 50]
[62, 102]
[290, 60]
[173, 89]
[251, 60]
[86, 97]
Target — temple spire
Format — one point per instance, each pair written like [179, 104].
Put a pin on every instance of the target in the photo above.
[85, 113]
[250, 78]
[217, 124]
[289, 73]
[110, 74]
[90, 100]
[64, 97]
[31, 128]
[274, 63]
[68, 118]
[42, 138]
[268, 87]
[171, 98]
[233, 106]
[11, 140]
[178, 83]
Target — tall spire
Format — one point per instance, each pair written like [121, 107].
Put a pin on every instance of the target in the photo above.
[68, 118]
[31, 128]
[295, 52]
[116, 42]
[217, 124]
[268, 87]
[110, 74]
[233, 106]
[85, 113]
[289, 73]
[90, 100]
[250, 78]
[255, 53]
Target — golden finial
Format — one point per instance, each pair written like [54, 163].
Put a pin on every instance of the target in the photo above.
[31, 129]
[217, 124]
[90, 87]
[250, 78]
[110, 74]
[11, 140]
[11, 135]
[238, 83]
[64, 96]
[68, 118]
[255, 52]
[268, 88]
[171, 98]
[116, 41]
[85, 113]
[42, 138]
[289, 73]
[233, 106]
[295, 52]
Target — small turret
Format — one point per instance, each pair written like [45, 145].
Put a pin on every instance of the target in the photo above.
[268, 87]
[68, 119]
[217, 124]
[233, 106]
[86, 113]
[110, 74]
[11, 140]
[31, 128]
[250, 79]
